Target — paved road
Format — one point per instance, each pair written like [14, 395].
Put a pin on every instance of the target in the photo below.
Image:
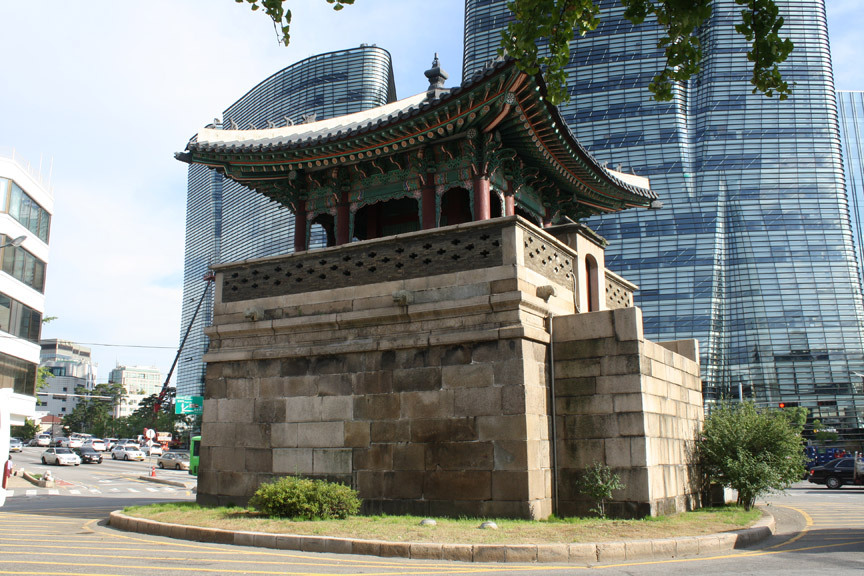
[822, 532]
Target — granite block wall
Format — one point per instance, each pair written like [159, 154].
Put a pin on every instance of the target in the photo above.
[631, 404]
[426, 385]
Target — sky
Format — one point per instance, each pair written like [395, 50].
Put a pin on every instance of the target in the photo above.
[101, 93]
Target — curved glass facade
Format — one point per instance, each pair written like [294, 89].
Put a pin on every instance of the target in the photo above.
[226, 221]
[752, 252]
[851, 107]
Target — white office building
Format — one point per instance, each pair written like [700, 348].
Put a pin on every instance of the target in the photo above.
[26, 205]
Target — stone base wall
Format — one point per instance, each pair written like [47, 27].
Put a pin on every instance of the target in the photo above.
[414, 368]
[631, 404]
[427, 394]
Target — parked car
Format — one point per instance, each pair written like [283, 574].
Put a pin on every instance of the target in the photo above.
[174, 460]
[41, 440]
[57, 441]
[96, 444]
[15, 445]
[152, 450]
[127, 452]
[836, 473]
[60, 456]
[110, 443]
[88, 455]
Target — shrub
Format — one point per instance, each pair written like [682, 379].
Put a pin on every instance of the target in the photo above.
[305, 499]
[597, 482]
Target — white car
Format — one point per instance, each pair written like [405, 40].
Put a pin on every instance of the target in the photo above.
[72, 442]
[43, 440]
[96, 443]
[127, 452]
[152, 450]
[60, 456]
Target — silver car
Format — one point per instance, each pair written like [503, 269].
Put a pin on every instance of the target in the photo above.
[15, 445]
[127, 452]
[60, 457]
[175, 460]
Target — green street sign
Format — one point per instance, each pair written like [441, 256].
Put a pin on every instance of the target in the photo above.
[189, 405]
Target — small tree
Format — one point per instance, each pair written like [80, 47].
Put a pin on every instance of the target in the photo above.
[26, 432]
[752, 450]
[597, 482]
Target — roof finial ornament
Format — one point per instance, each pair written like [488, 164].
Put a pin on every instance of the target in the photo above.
[437, 76]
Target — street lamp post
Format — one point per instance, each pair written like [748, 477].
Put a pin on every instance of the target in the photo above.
[15, 242]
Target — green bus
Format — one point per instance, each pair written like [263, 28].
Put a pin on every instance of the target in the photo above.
[194, 454]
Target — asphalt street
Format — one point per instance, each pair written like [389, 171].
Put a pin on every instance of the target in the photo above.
[820, 531]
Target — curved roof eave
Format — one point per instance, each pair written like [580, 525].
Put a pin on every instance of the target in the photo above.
[344, 128]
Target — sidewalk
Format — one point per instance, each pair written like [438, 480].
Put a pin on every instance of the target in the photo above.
[582, 554]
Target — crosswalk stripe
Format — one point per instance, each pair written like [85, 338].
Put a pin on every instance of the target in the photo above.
[75, 492]
[10, 493]
[53, 491]
[31, 492]
[133, 490]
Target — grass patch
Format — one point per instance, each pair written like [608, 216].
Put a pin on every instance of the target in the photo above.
[462, 530]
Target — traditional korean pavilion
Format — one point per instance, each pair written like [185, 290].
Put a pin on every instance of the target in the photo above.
[491, 147]
[443, 354]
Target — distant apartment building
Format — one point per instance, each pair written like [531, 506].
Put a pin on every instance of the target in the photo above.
[752, 251]
[226, 221]
[139, 382]
[26, 204]
[72, 368]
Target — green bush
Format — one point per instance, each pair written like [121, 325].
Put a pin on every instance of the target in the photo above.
[598, 482]
[754, 450]
[305, 499]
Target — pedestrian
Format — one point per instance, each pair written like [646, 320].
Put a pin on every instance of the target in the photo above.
[7, 471]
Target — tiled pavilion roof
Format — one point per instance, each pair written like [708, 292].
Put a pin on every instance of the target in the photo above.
[501, 115]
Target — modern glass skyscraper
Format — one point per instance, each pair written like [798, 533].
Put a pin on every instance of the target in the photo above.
[851, 107]
[226, 221]
[752, 253]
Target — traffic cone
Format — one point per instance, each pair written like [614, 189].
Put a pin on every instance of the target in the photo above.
[152, 471]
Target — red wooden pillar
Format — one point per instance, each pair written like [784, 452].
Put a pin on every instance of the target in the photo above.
[427, 199]
[300, 226]
[482, 210]
[509, 201]
[343, 218]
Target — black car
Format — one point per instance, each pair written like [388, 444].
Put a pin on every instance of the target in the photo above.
[89, 455]
[834, 474]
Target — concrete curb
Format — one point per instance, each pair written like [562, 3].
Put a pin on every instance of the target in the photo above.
[37, 482]
[585, 554]
[187, 485]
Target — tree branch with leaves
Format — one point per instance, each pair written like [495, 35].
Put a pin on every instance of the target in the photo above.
[553, 24]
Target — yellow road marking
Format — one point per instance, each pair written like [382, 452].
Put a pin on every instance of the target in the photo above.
[808, 523]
